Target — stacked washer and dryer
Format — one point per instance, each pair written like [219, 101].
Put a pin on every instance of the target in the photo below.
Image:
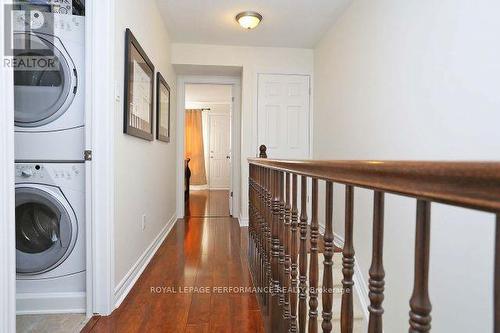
[50, 170]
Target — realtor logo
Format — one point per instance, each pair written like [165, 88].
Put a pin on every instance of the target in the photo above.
[29, 36]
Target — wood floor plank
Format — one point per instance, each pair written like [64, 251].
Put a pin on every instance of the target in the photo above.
[208, 203]
[198, 253]
[202, 328]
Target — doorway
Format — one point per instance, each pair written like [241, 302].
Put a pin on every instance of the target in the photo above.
[207, 150]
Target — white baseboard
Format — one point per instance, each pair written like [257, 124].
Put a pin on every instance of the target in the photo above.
[128, 282]
[198, 187]
[206, 187]
[51, 303]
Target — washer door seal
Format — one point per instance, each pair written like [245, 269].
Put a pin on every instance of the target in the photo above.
[45, 232]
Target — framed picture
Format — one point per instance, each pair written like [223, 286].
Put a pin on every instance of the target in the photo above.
[162, 109]
[139, 90]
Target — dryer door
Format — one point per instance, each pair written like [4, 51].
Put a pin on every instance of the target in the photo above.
[46, 230]
[45, 80]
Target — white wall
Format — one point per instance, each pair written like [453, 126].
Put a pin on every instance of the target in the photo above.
[253, 60]
[416, 80]
[145, 171]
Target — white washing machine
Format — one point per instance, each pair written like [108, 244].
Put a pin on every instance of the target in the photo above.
[50, 238]
[49, 94]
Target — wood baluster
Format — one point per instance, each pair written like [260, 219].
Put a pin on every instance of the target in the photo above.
[255, 222]
[286, 282]
[281, 260]
[496, 279]
[377, 273]
[269, 220]
[327, 293]
[257, 228]
[250, 218]
[303, 256]
[420, 304]
[294, 254]
[262, 228]
[281, 237]
[275, 251]
[313, 266]
[347, 312]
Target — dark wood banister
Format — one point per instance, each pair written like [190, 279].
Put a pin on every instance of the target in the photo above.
[467, 184]
[473, 185]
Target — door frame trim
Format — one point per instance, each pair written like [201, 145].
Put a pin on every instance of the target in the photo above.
[235, 82]
[100, 174]
[100, 93]
[7, 194]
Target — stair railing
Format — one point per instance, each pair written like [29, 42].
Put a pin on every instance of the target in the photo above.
[282, 237]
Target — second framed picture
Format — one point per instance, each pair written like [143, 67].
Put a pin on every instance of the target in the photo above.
[162, 109]
[139, 91]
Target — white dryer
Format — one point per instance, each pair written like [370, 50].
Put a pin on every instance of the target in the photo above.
[49, 94]
[50, 238]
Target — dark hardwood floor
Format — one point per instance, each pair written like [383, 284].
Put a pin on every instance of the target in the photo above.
[208, 203]
[198, 252]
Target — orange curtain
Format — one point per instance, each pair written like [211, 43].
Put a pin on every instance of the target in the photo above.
[194, 147]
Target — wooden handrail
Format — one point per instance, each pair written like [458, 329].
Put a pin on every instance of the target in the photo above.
[284, 245]
[466, 184]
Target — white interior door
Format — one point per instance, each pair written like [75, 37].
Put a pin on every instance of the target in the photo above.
[220, 152]
[283, 115]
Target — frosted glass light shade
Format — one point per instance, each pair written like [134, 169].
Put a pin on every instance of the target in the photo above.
[249, 20]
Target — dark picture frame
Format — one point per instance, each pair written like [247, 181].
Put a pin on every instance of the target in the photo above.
[162, 108]
[139, 90]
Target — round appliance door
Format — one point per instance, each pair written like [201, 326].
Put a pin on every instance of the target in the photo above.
[44, 79]
[46, 231]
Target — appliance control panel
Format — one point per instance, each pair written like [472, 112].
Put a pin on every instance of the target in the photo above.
[46, 22]
[43, 172]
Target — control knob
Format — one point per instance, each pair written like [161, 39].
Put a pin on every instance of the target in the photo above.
[27, 173]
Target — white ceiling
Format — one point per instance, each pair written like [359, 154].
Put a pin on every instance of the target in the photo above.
[208, 93]
[286, 23]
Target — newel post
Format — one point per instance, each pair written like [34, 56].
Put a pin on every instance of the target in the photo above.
[263, 151]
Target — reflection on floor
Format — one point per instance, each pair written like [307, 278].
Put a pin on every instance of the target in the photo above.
[58, 323]
[208, 203]
[182, 288]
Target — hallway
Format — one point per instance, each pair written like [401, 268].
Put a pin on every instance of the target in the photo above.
[198, 252]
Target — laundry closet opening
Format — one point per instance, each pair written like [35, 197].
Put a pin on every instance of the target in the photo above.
[50, 124]
[207, 150]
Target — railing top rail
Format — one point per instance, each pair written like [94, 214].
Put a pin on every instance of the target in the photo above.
[467, 184]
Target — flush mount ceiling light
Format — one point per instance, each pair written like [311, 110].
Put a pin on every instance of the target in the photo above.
[249, 20]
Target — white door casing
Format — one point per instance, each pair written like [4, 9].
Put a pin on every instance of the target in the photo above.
[283, 115]
[235, 82]
[7, 196]
[219, 151]
[100, 95]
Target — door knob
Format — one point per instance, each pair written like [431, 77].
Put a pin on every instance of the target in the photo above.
[228, 157]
